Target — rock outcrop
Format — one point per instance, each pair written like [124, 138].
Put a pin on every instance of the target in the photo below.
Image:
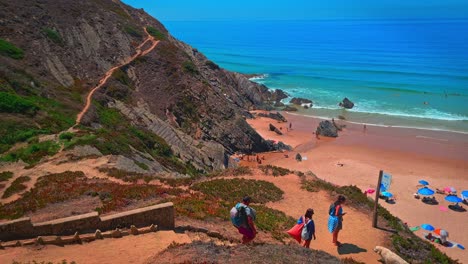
[290, 108]
[276, 116]
[275, 129]
[327, 129]
[300, 101]
[346, 103]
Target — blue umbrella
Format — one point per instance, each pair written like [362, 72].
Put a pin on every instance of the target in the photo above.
[382, 187]
[387, 194]
[464, 193]
[423, 182]
[426, 191]
[427, 227]
[453, 199]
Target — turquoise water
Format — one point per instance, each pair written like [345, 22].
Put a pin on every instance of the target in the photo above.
[398, 73]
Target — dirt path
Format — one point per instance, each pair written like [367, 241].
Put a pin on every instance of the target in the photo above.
[129, 249]
[357, 236]
[109, 73]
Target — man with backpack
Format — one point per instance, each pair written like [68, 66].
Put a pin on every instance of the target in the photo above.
[243, 217]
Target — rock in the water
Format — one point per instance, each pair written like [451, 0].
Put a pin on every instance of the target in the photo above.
[278, 104]
[275, 129]
[346, 103]
[327, 129]
[290, 108]
[300, 101]
[279, 95]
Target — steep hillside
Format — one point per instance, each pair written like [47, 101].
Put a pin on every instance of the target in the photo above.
[171, 109]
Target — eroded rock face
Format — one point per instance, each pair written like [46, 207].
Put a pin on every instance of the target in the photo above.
[276, 116]
[327, 129]
[275, 129]
[346, 103]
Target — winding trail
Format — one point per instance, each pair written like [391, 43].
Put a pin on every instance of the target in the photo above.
[109, 73]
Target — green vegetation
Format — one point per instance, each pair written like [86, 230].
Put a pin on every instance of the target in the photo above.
[33, 153]
[133, 31]
[67, 136]
[16, 186]
[126, 175]
[53, 35]
[212, 65]
[190, 67]
[141, 165]
[239, 171]
[158, 35]
[231, 190]
[12, 103]
[276, 171]
[273, 221]
[200, 206]
[122, 77]
[10, 50]
[61, 187]
[5, 176]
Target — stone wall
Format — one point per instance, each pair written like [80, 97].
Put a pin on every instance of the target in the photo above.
[161, 215]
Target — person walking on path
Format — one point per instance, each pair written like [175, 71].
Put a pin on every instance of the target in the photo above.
[308, 231]
[243, 219]
[335, 219]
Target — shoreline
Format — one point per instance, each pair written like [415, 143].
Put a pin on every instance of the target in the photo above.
[357, 156]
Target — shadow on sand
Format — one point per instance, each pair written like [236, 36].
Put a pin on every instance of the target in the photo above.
[347, 248]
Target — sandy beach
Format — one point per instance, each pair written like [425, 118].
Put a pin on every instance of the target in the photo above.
[358, 154]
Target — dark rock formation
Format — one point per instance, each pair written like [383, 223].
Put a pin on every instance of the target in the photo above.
[275, 129]
[300, 101]
[276, 116]
[346, 103]
[279, 95]
[327, 129]
[278, 146]
[290, 108]
[278, 104]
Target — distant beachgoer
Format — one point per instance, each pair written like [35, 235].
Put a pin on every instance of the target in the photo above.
[335, 219]
[243, 217]
[317, 134]
[290, 126]
[308, 231]
[298, 157]
[364, 129]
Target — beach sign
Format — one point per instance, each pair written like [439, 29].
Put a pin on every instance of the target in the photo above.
[386, 181]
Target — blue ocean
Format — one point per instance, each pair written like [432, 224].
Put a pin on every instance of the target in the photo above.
[408, 73]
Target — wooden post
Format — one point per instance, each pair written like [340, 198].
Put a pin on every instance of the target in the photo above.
[377, 194]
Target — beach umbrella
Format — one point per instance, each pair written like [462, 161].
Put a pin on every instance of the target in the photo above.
[453, 199]
[382, 187]
[426, 191]
[450, 189]
[464, 194]
[387, 194]
[441, 232]
[427, 227]
[423, 182]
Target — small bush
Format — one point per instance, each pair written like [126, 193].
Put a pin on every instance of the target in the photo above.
[276, 171]
[12, 103]
[190, 67]
[232, 190]
[132, 31]
[32, 153]
[5, 176]
[66, 136]
[158, 35]
[212, 65]
[53, 35]
[16, 186]
[10, 50]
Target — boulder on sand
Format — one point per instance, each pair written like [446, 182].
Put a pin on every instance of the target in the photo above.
[276, 116]
[275, 129]
[300, 101]
[327, 129]
[290, 109]
[346, 103]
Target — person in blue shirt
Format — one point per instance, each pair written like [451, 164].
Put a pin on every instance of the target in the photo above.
[308, 231]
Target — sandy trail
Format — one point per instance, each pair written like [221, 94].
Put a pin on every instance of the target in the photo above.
[407, 154]
[109, 73]
[357, 236]
[129, 249]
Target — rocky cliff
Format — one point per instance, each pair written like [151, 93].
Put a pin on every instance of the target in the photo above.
[53, 52]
